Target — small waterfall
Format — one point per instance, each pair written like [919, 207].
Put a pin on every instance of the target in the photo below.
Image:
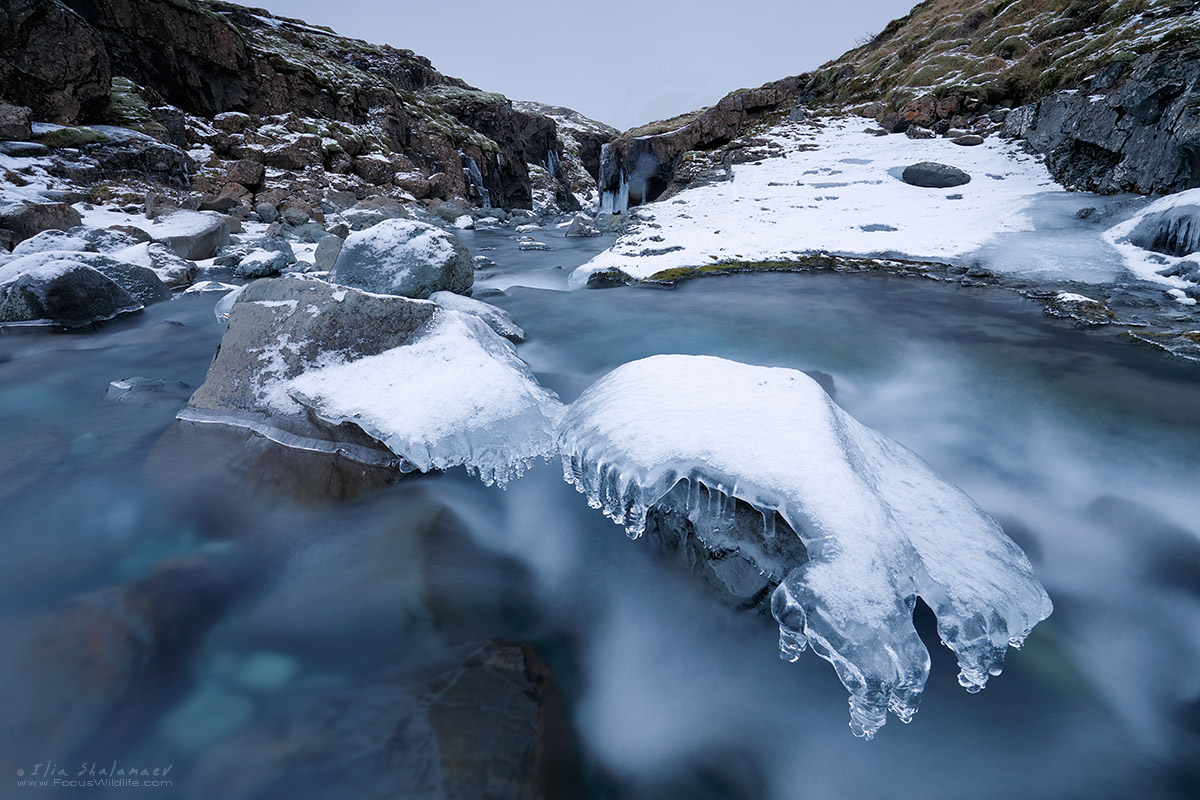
[612, 201]
[474, 177]
[552, 163]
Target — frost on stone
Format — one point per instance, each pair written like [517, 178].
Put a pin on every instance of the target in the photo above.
[880, 528]
[457, 394]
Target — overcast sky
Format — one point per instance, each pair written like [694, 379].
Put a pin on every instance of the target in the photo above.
[621, 63]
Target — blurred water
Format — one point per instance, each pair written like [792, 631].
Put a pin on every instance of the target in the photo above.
[329, 581]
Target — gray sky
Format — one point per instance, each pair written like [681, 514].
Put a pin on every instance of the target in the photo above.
[620, 63]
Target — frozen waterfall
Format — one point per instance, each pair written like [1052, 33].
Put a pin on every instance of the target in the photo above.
[879, 526]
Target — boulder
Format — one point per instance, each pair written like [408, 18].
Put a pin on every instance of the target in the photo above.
[50, 240]
[26, 219]
[582, 226]
[193, 235]
[172, 270]
[261, 264]
[15, 123]
[1174, 231]
[374, 169]
[932, 175]
[404, 257]
[327, 252]
[64, 292]
[266, 212]
[247, 173]
[372, 211]
[969, 140]
[495, 318]
[139, 281]
[302, 152]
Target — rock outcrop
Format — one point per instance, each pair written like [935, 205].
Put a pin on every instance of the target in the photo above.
[639, 166]
[1133, 127]
[51, 61]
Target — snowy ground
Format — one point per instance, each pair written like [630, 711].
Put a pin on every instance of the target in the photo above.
[838, 189]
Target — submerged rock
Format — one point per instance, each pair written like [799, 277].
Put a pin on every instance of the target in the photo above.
[932, 175]
[404, 257]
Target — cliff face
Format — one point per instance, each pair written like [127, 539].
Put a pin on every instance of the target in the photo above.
[210, 58]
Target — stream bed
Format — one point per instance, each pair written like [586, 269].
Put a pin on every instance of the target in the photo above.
[323, 588]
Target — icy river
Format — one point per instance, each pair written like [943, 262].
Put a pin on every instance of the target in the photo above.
[1086, 448]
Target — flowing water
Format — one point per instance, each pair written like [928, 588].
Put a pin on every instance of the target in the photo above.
[1086, 448]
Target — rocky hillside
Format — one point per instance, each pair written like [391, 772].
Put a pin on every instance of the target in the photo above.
[238, 87]
[1108, 91]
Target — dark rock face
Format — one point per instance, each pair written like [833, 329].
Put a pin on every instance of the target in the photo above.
[1135, 127]
[15, 122]
[645, 165]
[932, 175]
[52, 62]
[730, 553]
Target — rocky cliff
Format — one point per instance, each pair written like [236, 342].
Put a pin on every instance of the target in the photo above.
[248, 86]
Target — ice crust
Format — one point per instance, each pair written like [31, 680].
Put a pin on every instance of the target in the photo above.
[880, 526]
[455, 395]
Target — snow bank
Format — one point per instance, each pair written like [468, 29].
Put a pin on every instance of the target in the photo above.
[880, 527]
[1162, 241]
[836, 189]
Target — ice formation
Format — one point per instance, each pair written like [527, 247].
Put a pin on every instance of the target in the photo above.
[457, 394]
[880, 527]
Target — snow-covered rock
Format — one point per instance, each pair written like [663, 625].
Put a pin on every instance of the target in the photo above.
[380, 379]
[497, 319]
[262, 264]
[404, 257]
[582, 225]
[193, 235]
[140, 282]
[62, 292]
[878, 526]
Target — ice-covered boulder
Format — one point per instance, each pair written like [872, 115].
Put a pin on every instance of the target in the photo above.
[193, 235]
[62, 292]
[497, 319]
[1170, 225]
[879, 528]
[404, 257]
[378, 378]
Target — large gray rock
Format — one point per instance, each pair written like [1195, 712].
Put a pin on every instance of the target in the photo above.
[141, 282]
[932, 175]
[404, 257]
[582, 226]
[193, 235]
[266, 344]
[327, 252]
[1131, 127]
[64, 292]
[27, 219]
[261, 264]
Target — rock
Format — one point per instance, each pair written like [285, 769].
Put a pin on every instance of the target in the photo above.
[374, 169]
[373, 210]
[139, 281]
[327, 252]
[529, 243]
[1131, 127]
[261, 264]
[302, 152]
[1173, 232]
[50, 240]
[340, 230]
[65, 292]
[266, 212]
[917, 132]
[582, 226]
[970, 140]
[497, 319]
[85, 661]
[26, 219]
[232, 122]
[52, 62]
[59, 138]
[193, 235]
[414, 183]
[172, 270]
[107, 240]
[15, 122]
[404, 257]
[294, 216]
[933, 175]
[1079, 308]
[247, 173]
[24, 149]
[350, 325]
